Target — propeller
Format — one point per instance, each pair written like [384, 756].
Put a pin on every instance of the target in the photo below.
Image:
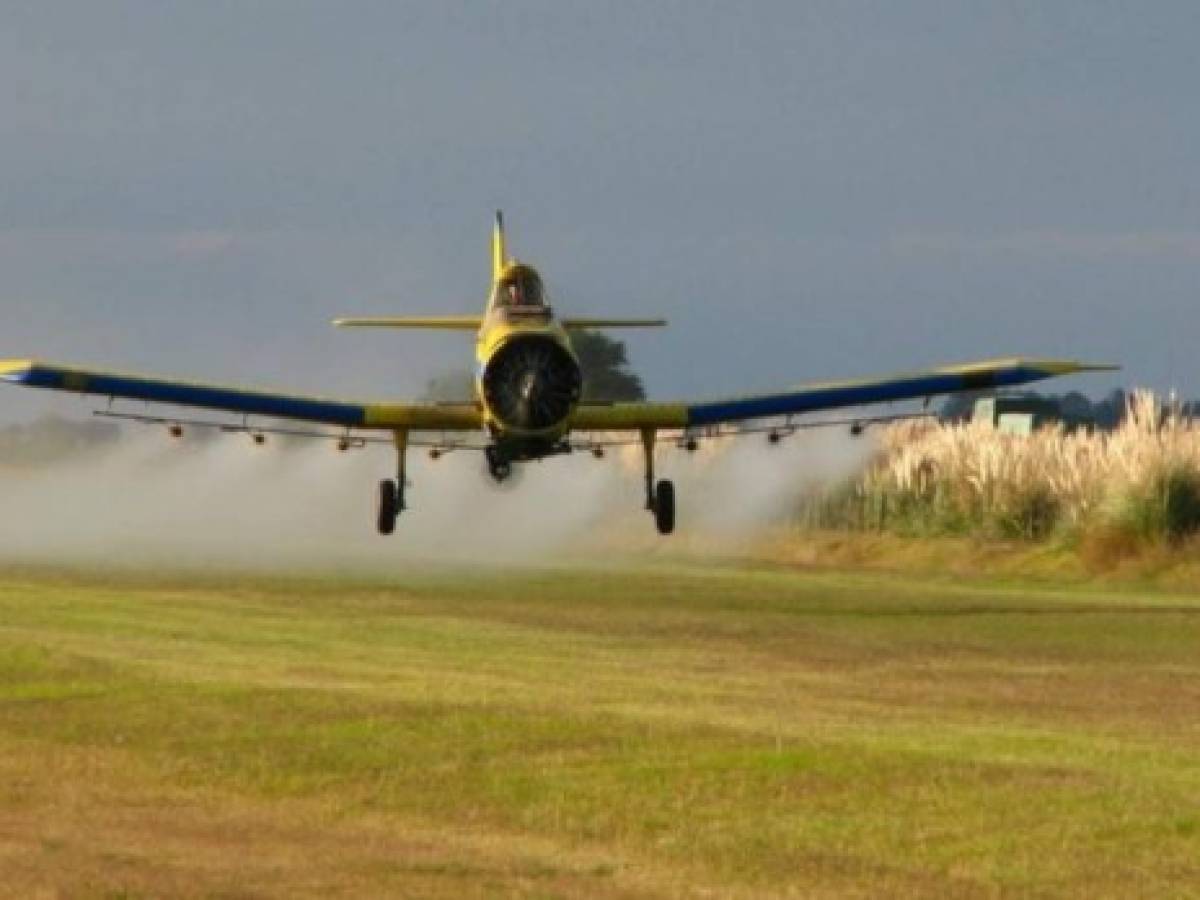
[532, 382]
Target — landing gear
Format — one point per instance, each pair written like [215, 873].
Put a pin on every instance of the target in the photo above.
[390, 499]
[387, 507]
[660, 498]
[499, 465]
[664, 507]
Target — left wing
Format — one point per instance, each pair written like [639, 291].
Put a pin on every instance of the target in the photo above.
[349, 414]
[834, 395]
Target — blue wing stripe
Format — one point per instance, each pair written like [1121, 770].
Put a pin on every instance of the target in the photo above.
[833, 397]
[249, 402]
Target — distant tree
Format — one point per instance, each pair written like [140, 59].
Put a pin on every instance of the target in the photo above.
[958, 407]
[1110, 412]
[1073, 407]
[605, 364]
[1077, 407]
[450, 387]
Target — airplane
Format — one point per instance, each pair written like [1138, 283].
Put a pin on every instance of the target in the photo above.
[529, 396]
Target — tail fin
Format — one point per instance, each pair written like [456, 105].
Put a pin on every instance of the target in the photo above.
[499, 254]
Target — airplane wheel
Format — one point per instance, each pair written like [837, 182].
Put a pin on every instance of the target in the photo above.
[498, 467]
[664, 507]
[386, 507]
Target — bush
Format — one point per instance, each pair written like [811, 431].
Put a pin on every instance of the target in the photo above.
[1032, 514]
[1141, 480]
[1166, 506]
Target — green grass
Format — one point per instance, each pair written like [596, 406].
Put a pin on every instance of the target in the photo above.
[662, 731]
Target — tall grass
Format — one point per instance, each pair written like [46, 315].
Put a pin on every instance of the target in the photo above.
[1139, 483]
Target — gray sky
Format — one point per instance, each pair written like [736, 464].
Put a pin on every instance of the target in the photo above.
[807, 190]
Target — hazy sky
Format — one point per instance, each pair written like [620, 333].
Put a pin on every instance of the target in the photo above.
[806, 190]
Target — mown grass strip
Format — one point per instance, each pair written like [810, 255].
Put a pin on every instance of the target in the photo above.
[752, 731]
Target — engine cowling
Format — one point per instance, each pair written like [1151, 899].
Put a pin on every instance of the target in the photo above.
[531, 383]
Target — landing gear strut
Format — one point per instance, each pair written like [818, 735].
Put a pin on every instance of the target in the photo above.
[390, 501]
[660, 497]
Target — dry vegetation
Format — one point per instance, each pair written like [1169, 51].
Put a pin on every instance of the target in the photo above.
[1134, 486]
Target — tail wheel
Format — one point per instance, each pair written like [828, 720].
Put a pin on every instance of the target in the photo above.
[387, 507]
[664, 506]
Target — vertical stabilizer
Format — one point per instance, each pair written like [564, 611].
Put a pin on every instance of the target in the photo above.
[499, 254]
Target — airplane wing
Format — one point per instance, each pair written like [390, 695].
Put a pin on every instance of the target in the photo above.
[975, 376]
[634, 416]
[346, 413]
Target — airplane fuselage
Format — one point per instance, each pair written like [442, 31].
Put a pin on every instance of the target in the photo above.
[528, 379]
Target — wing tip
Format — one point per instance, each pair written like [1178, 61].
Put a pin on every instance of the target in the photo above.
[1040, 364]
[1074, 366]
[16, 369]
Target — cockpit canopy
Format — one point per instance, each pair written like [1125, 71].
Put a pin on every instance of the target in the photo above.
[519, 288]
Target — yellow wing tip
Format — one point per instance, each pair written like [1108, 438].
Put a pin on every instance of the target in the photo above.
[9, 366]
[1071, 366]
[1049, 366]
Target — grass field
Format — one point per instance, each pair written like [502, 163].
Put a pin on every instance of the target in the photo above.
[663, 730]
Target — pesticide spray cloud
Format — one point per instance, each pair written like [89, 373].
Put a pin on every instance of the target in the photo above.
[741, 485]
[150, 501]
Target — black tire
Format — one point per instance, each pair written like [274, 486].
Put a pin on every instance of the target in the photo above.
[664, 507]
[386, 507]
[499, 468]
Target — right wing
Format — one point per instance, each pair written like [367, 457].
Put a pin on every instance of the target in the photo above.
[985, 375]
[325, 411]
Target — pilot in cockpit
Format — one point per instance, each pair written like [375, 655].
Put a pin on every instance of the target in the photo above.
[523, 289]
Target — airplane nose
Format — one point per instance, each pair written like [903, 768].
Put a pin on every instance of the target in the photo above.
[531, 382]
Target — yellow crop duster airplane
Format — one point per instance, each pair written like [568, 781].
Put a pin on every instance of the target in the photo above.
[528, 395]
